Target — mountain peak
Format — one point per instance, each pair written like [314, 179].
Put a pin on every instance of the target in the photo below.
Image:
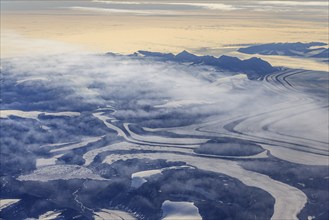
[185, 52]
[254, 67]
[185, 56]
[156, 54]
[226, 59]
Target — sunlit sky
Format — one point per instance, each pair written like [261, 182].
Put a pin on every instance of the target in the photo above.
[202, 27]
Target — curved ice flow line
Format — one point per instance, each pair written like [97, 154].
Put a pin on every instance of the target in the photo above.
[215, 128]
[296, 143]
[284, 79]
[130, 139]
[288, 200]
[109, 125]
[215, 132]
[200, 129]
[280, 80]
[255, 126]
[147, 145]
[163, 140]
[222, 128]
[261, 155]
[295, 156]
[240, 130]
[295, 139]
[269, 127]
[78, 145]
[193, 127]
[187, 130]
[88, 161]
[126, 146]
[280, 88]
[279, 83]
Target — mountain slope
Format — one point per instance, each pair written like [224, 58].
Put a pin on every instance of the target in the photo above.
[312, 49]
[254, 68]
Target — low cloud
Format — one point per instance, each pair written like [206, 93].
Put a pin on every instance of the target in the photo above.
[154, 93]
[11, 42]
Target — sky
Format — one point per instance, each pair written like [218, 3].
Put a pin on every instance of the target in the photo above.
[202, 27]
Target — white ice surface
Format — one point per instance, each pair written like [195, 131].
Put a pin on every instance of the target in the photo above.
[90, 155]
[163, 140]
[180, 211]
[139, 178]
[34, 114]
[83, 143]
[4, 203]
[60, 172]
[131, 139]
[294, 129]
[50, 215]
[288, 200]
[296, 156]
[41, 162]
[107, 214]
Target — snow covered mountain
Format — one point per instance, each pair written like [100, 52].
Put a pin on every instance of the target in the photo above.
[254, 68]
[312, 49]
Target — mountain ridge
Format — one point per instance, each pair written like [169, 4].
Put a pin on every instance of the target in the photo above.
[254, 68]
[297, 49]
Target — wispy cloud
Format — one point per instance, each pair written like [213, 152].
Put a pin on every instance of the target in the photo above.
[118, 2]
[202, 5]
[295, 3]
[135, 86]
[224, 6]
[211, 6]
[124, 11]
